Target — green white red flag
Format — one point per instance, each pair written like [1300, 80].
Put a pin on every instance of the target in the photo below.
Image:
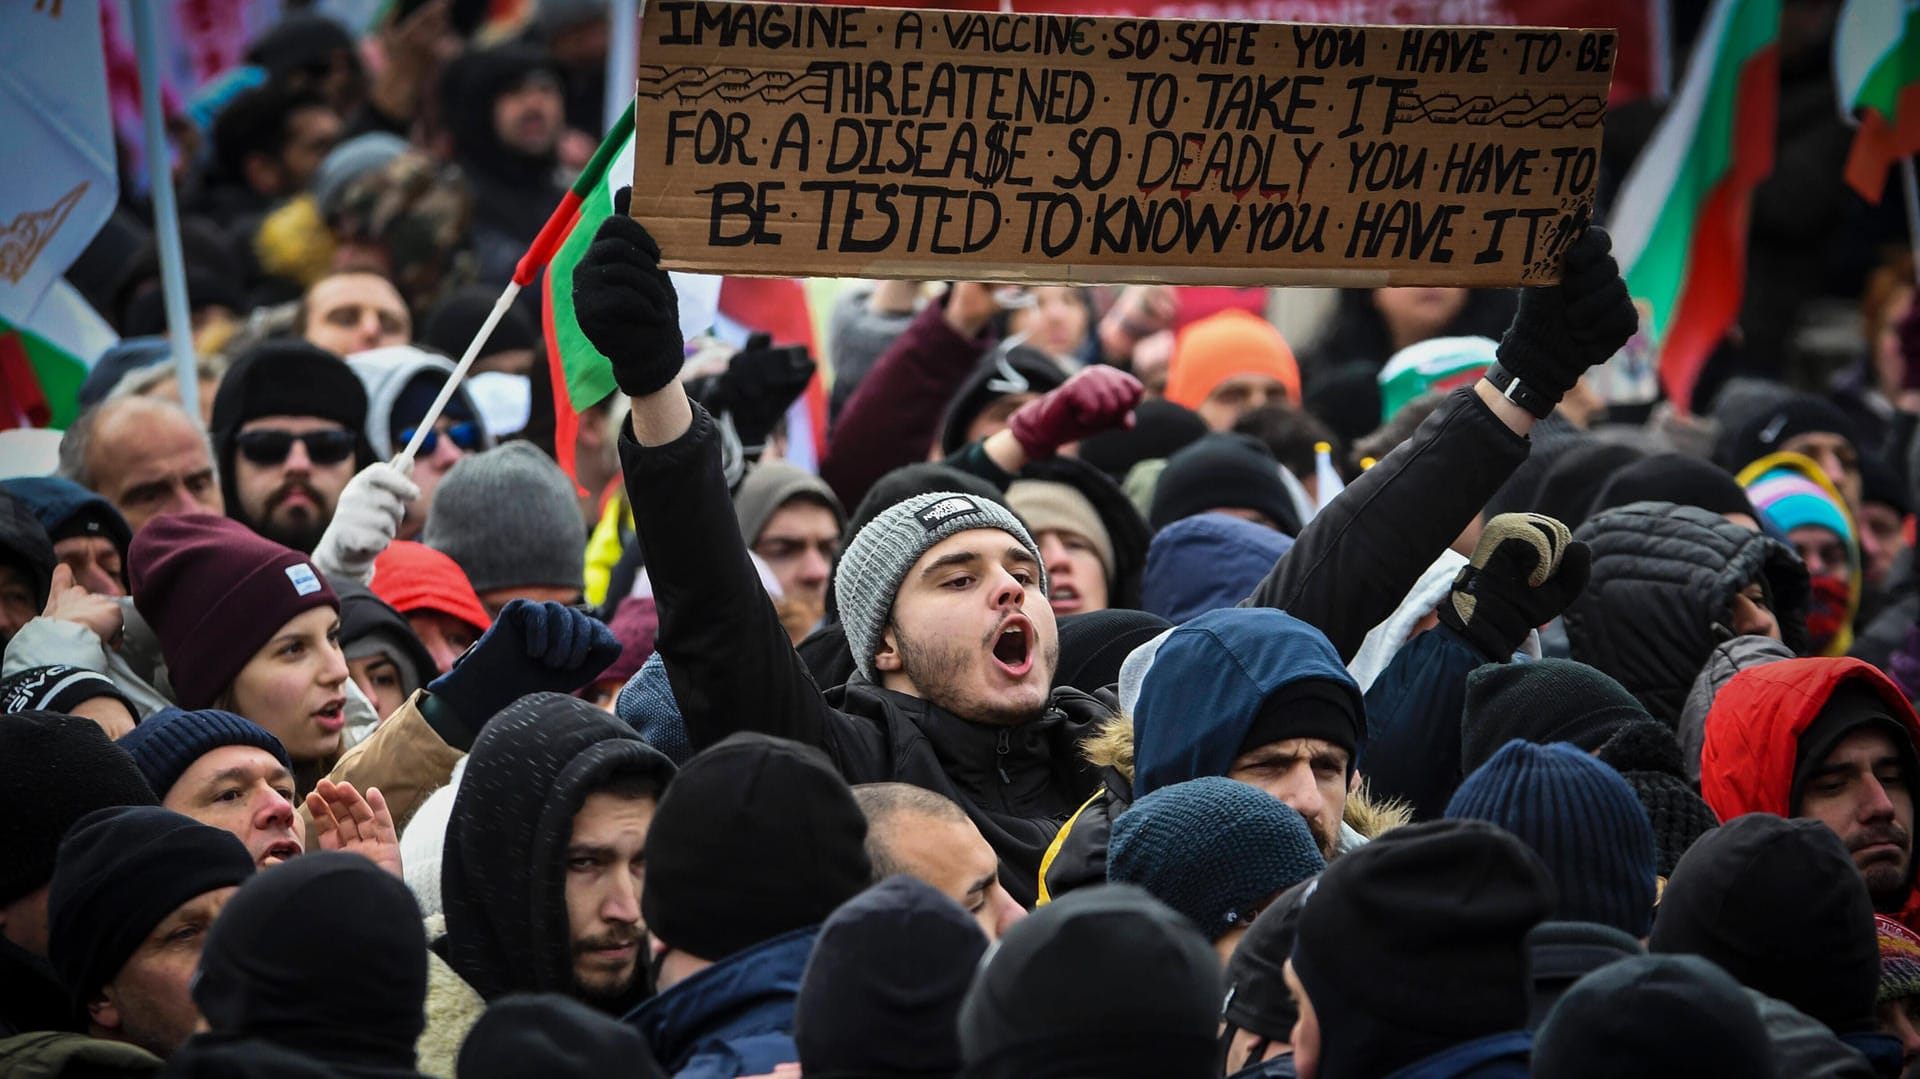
[1876, 73]
[1679, 224]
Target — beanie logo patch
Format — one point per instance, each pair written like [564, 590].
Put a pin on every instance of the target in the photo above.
[933, 516]
[305, 581]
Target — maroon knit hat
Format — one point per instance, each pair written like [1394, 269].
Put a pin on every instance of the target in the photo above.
[214, 591]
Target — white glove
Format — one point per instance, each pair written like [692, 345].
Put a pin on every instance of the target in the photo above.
[365, 521]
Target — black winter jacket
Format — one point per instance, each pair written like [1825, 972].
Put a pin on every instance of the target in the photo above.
[1664, 578]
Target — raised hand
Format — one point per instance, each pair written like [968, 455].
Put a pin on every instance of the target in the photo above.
[345, 820]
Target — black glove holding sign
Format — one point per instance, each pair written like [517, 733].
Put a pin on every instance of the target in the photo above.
[1561, 330]
[626, 305]
[1525, 570]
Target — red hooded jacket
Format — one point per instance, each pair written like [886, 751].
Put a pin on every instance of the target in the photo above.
[1753, 735]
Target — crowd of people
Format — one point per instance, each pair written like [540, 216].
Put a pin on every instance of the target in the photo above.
[1123, 693]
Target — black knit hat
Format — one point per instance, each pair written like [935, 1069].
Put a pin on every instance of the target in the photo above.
[1222, 472]
[1578, 474]
[286, 378]
[1416, 942]
[884, 984]
[1257, 995]
[1678, 478]
[1655, 1017]
[168, 742]
[1095, 644]
[1773, 427]
[1160, 430]
[54, 769]
[1778, 904]
[1104, 982]
[554, 1037]
[325, 955]
[120, 873]
[1549, 700]
[1647, 756]
[757, 837]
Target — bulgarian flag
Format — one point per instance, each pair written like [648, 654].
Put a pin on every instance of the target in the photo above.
[45, 358]
[1876, 70]
[1679, 224]
[582, 377]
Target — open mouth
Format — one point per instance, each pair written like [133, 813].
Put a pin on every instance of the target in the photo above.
[333, 716]
[1013, 647]
[1064, 597]
[280, 852]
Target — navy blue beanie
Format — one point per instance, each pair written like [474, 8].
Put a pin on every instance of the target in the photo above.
[166, 743]
[1214, 849]
[1581, 818]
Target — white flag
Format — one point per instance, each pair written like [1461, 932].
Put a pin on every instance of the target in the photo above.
[57, 177]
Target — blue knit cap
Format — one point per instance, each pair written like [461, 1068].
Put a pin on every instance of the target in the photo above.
[646, 703]
[1214, 849]
[1581, 818]
[166, 743]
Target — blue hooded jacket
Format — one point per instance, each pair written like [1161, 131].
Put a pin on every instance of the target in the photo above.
[1204, 563]
[1206, 686]
[734, 1018]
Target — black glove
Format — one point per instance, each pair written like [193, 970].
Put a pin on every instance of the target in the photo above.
[1526, 569]
[626, 306]
[1561, 330]
[759, 385]
[530, 648]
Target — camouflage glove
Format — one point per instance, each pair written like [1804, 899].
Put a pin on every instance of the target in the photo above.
[1526, 569]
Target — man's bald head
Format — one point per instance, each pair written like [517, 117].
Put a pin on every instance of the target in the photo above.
[925, 835]
[145, 455]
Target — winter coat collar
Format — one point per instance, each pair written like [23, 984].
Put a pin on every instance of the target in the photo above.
[745, 996]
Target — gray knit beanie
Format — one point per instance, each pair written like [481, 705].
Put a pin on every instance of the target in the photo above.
[881, 553]
[510, 519]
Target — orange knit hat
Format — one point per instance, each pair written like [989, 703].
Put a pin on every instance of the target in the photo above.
[1218, 347]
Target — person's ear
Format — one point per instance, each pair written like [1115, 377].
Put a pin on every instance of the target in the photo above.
[103, 1012]
[888, 657]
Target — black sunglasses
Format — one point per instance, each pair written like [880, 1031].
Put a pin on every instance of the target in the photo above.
[464, 435]
[270, 447]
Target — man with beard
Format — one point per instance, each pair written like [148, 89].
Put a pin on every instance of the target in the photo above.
[545, 855]
[287, 426]
[1828, 739]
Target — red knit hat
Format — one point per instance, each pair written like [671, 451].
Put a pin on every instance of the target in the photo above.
[214, 592]
[414, 577]
[1219, 347]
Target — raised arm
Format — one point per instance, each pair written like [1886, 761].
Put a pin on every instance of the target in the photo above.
[728, 658]
[1356, 560]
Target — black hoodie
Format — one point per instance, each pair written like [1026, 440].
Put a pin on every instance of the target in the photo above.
[988, 383]
[1777, 904]
[513, 193]
[503, 879]
[324, 958]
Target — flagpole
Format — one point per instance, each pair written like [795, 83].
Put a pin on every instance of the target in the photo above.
[439, 405]
[166, 212]
[1912, 185]
[623, 57]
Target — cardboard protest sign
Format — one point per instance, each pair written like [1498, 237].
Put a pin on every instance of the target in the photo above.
[794, 139]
